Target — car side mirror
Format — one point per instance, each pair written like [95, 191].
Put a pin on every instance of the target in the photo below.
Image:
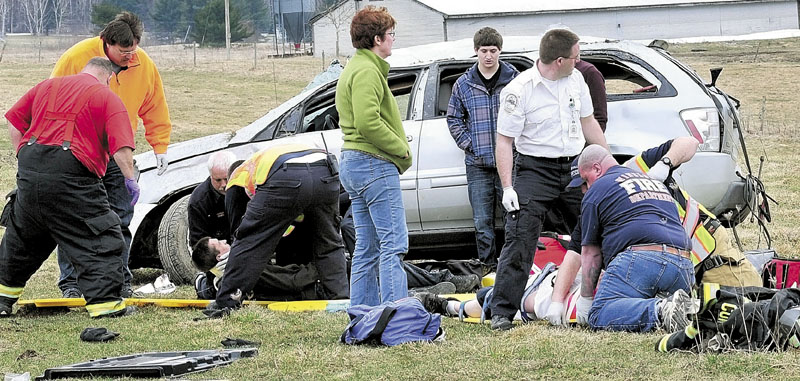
[715, 74]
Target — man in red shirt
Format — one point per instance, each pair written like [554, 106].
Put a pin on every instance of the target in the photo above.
[64, 131]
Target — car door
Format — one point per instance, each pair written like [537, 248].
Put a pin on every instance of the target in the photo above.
[441, 174]
[315, 121]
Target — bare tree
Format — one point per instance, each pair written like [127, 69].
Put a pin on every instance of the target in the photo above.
[4, 5]
[36, 14]
[60, 8]
[338, 15]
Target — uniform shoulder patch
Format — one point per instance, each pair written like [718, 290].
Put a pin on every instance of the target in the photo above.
[510, 102]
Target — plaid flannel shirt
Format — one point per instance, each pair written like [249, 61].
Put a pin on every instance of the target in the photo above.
[472, 114]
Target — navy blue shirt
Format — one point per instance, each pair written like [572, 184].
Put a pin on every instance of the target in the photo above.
[624, 208]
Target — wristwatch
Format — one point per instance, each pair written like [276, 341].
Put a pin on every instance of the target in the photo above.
[666, 160]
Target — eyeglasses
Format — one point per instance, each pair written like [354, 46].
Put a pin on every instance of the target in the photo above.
[126, 53]
[577, 57]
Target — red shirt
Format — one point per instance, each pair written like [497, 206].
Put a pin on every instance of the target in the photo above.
[101, 126]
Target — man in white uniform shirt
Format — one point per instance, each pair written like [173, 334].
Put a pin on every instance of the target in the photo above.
[547, 113]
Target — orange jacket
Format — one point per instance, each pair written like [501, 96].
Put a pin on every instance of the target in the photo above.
[139, 87]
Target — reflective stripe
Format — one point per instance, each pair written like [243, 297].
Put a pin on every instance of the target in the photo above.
[10, 292]
[106, 308]
[256, 169]
[710, 291]
[641, 164]
[703, 244]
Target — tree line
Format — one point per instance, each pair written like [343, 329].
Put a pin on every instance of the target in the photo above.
[168, 21]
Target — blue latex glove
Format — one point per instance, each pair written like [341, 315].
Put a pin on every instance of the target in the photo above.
[133, 190]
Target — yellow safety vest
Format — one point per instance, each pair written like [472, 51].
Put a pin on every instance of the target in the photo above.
[256, 169]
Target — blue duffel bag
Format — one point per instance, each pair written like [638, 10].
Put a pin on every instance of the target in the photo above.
[392, 323]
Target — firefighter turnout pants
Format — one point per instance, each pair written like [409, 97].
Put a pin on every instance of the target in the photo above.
[61, 203]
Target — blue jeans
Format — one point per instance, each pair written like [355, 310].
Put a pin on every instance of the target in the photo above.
[626, 297]
[485, 197]
[381, 234]
[120, 201]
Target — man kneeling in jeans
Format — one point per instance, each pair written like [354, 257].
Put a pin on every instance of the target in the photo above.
[630, 226]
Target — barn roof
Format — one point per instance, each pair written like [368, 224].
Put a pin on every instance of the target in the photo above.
[469, 8]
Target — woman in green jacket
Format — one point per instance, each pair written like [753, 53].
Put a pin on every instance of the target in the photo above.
[374, 154]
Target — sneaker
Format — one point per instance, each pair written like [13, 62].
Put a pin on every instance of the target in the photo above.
[432, 302]
[674, 310]
[127, 311]
[465, 283]
[71, 293]
[438, 289]
[501, 323]
[6, 304]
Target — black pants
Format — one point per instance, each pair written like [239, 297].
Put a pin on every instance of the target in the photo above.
[540, 185]
[120, 202]
[292, 249]
[291, 282]
[293, 189]
[59, 202]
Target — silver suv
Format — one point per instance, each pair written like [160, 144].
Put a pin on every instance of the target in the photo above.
[652, 97]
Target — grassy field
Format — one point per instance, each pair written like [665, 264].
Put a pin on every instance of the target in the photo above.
[217, 95]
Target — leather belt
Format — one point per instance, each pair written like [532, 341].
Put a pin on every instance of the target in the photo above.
[663, 248]
[318, 163]
[562, 159]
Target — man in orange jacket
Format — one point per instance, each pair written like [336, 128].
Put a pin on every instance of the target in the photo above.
[138, 83]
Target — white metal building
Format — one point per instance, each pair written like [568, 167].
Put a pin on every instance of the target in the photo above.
[427, 21]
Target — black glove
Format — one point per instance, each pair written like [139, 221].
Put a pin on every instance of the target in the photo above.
[229, 342]
[98, 335]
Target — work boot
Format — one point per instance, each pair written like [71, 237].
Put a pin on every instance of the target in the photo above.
[432, 302]
[465, 283]
[71, 293]
[438, 289]
[501, 323]
[674, 310]
[126, 292]
[127, 311]
[6, 304]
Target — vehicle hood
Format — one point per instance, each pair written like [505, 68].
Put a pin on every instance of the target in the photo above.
[176, 152]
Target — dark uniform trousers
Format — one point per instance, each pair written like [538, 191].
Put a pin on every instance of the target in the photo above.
[60, 202]
[120, 202]
[293, 189]
[540, 185]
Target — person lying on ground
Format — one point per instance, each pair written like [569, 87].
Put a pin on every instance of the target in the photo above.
[291, 282]
[538, 301]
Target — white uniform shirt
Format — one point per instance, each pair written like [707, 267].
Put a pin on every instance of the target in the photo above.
[543, 116]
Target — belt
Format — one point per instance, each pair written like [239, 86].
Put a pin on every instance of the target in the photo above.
[662, 248]
[318, 163]
[562, 159]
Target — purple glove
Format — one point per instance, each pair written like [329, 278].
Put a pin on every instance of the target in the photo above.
[133, 190]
